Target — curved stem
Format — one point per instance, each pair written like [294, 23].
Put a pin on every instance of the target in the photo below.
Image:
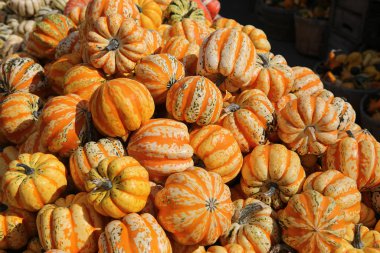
[112, 45]
[357, 242]
[350, 133]
[139, 8]
[231, 108]
[310, 131]
[282, 247]
[272, 189]
[103, 183]
[198, 162]
[171, 82]
[247, 211]
[265, 58]
[28, 170]
[3, 207]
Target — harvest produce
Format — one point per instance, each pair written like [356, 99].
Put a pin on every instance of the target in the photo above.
[158, 126]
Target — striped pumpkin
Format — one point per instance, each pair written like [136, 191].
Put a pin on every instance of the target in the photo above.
[119, 106]
[227, 57]
[306, 82]
[34, 180]
[221, 23]
[281, 103]
[33, 144]
[365, 240]
[178, 10]
[367, 216]
[162, 146]
[7, 155]
[258, 37]
[308, 125]
[158, 73]
[218, 150]
[153, 41]
[68, 45]
[313, 223]
[272, 173]
[195, 99]
[76, 10]
[118, 186]
[253, 226]
[201, 200]
[70, 225]
[19, 115]
[150, 14]
[192, 30]
[82, 80]
[358, 132]
[134, 233]
[83, 159]
[249, 117]
[46, 35]
[229, 248]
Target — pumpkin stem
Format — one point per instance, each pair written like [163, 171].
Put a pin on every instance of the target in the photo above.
[357, 242]
[272, 189]
[198, 162]
[231, 108]
[265, 58]
[139, 8]
[220, 79]
[247, 211]
[3, 207]
[310, 131]
[28, 170]
[350, 133]
[172, 81]
[282, 247]
[103, 183]
[112, 45]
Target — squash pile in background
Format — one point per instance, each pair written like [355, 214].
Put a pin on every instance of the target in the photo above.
[155, 126]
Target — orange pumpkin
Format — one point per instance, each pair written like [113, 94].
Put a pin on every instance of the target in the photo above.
[119, 106]
[33, 144]
[150, 13]
[162, 146]
[218, 150]
[158, 73]
[163, 4]
[7, 155]
[283, 101]
[153, 41]
[258, 37]
[68, 45]
[226, 23]
[195, 99]
[367, 216]
[306, 82]
[358, 132]
[365, 240]
[201, 200]
[229, 248]
[192, 30]
[76, 10]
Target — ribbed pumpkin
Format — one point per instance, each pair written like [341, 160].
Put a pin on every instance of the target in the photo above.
[230, 248]
[17, 226]
[272, 75]
[308, 125]
[83, 159]
[18, 116]
[202, 202]
[365, 240]
[134, 233]
[249, 117]
[367, 216]
[178, 10]
[76, 10]
[356, 131]
[273, 174]
[153, 41]
[56, 71]
[150, 13]
[33, 144]
[218, 150]
[33, 180]
[82, 80]
[192, 30]
[64, 124]
[228, 58]
[158, 73]
[48, 32]
[222, 22]
[162, 146]
[306, 82]
[258, 37]
[25, 8]
[283, 101]
[68, 45]
[195, 99]
[341, 188]
[7, 155]
[253, 226]
[163, 4]
[70, 224]
[119, 106]
[119, 185]
[358, 159]
[313, 223]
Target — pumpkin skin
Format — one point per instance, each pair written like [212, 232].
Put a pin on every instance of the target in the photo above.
[306, 82]
[134, 233]
[48, 32]
[33, 180]
[201, 200]
[162, 146]
[227, 57]
[150, 13]
[367, 216]
[177, 10]
[249, 117]
[89, 156]
[150, 207]
[273, 174]
[195, 99]
[365, 241]
[193, 31]
[213, 6]
[158, 73]
[221, 23]
[33, 144]
[17, 227]
[26, 8]
[217, 148]
[70, 225]
[82, 80]
[272, 75]
[76, 10]
[319, 220]
[308, 125]
[346, 113]
[68, 45]
[119, 185]
[134, 106]
[163, 4]
[283, 101]
[258, 37]
[357, 132]
[341, 188]
[253, 226]
[19, 115]
[230, 248]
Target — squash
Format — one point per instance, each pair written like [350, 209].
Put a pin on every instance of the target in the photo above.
[201, 200]
[205, 11]
[70, 225]
[153, 41]
[150, 13]
[177, 10]
[313, 223]
[158, 73]
[162, 146]
[34, 180]
[134, 233]
[192, 30]
[357, 131]
[253, 227]
[230, 248]
[18, 116]
[258, 37]
[180, 248]
[58, 4]
[7, 155]
[195, 99]
[83, 159]
[249, 116]
[347, 115]
[118, 186]
[272, 75]
[306, 82]
[283, 101]
[68, 45]
[11, 45]
[45, 11]
[308, 125]
[222, 22]
[76, 10]
[367, 216]
[163, 4]
[216, 148]
[25, 27]
[33, 144]
[227, 57]
[273, 174]
[119, 106]
[25, 8]
[213, 6]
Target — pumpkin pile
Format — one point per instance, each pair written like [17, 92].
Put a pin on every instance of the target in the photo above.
[146, 126]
